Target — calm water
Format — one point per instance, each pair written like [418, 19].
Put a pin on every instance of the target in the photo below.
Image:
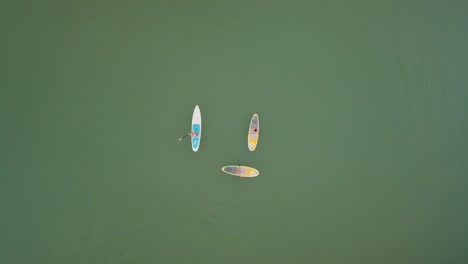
[362, 157]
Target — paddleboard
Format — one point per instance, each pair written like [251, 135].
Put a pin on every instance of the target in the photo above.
[240, 171]
[196, 127]
[254, 130]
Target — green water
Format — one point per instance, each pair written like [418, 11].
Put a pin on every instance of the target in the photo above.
[363, 153]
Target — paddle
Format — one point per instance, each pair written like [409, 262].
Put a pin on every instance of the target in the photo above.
[180, 139]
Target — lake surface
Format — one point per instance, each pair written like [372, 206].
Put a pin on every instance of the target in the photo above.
[363, 152]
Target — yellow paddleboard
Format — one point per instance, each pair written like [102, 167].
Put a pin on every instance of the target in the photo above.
[254, 132]
[240, 171]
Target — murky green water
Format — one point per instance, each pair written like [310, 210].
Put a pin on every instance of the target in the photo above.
[362, 157]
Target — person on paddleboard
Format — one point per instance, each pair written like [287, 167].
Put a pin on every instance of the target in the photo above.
[254, 130]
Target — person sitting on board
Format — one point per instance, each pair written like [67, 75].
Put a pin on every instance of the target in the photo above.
[193, 134]
[254, 130]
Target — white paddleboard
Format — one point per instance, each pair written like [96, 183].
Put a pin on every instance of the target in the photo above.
[196, 127]
[241, 171]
